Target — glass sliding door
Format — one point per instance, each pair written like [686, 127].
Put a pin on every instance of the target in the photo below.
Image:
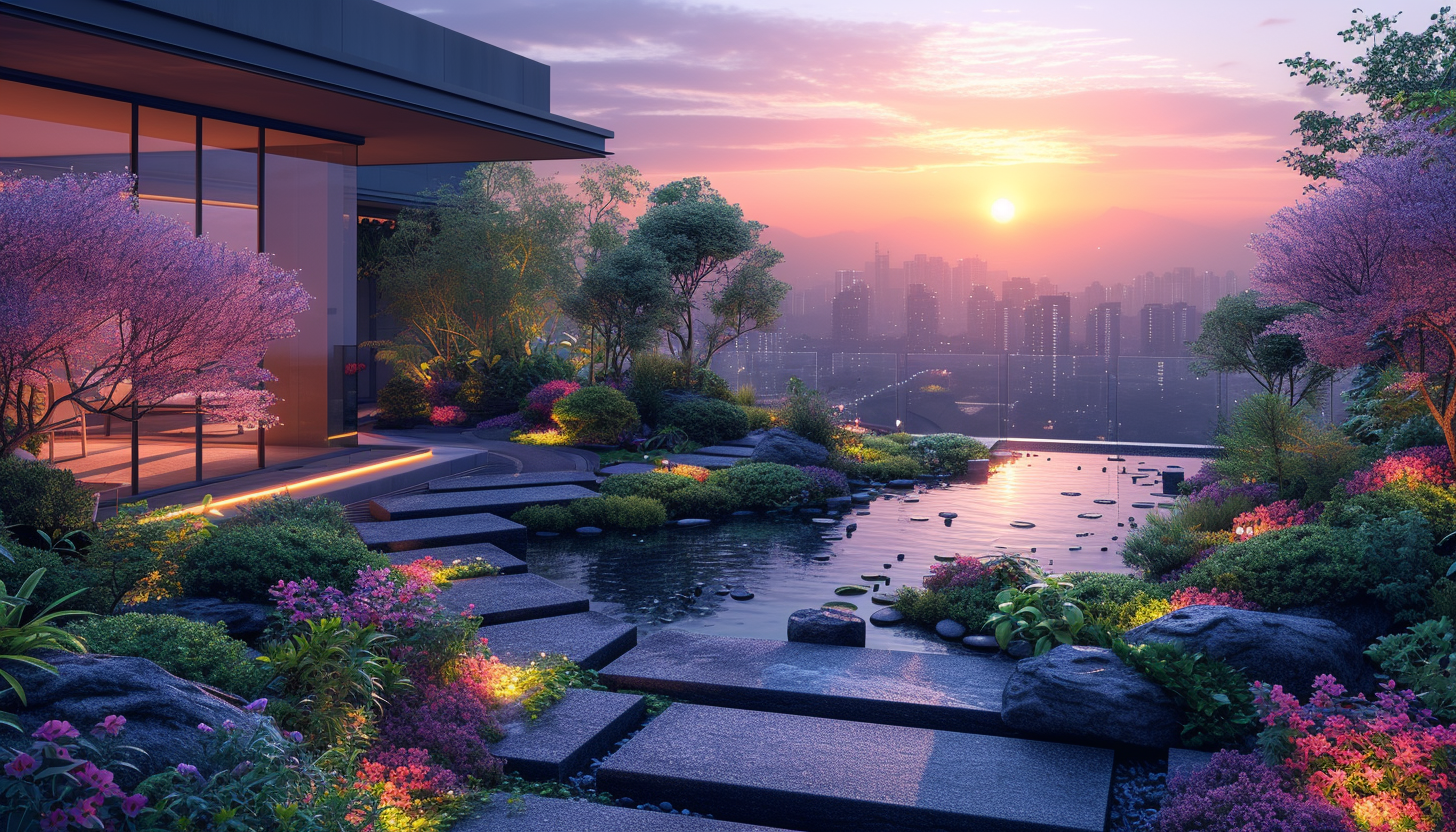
[230, 183]
[167, 164]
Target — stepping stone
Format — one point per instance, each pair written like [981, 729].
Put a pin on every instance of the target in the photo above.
[508, 598]
[744, 513]
[1186, 761]
[502, 502]
[987, 643]
[591, 639]
[403, 535]
[884, 599]
[1105, 502]
[738, 451]
[1143, 505]
[949, 515]
[507, 563]
[1090, 516]
[1074, 548]
[815, 773]
[832, 537]
[849, 527]
[851, 589]
[588, 530]
[693, 521]
[1022, 524]
[901, 483]
[949, 692]
[861, 514]
[530, 813]
[628, 468]
[567, 735]
[887, 617]
[702, 460]
[821, 558]
[872, 577]
[486, 482]
[920, 519]
[1071, 493]
[951, 630]
[839, 503]
[752, 440]
[912, 499]
[824, 521]
[860, 497]
[740, 593]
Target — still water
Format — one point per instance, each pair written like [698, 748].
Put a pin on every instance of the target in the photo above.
[649, 579]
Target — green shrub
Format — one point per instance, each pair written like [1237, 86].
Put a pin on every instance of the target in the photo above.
[1043, 616]
[745, 396]
[700, 500]
[894, 468]
[545, 518]
[762, 485]
[653, 485]
[705, 382]
[810, 415]
[62, 577]
[1117, 602]
[596, 414]
[1164, 543]
[242, 561]
[652, 376]
[1270, 440]
[403, 403]
[1218, 707]
[630, 513]
[39, 495]
[1443, 599]
[970, 606]
[900, 438]
[334, 679]
[758, 418]
[1211, 515]
[1303, 565]
[139, 554]
[283, 508]
[1401, 552]
[513, 379]
[1436, 504]
[708, 421]
[947, 453]
[190, 649]
[1420, 659]
[888, 446]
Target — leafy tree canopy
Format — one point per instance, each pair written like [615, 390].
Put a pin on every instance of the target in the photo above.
[1236, 338]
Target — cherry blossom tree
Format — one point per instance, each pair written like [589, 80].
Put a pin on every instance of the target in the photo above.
[116, 310]
[1376, 258]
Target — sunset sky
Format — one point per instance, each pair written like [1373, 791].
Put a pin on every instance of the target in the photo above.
[904, 121]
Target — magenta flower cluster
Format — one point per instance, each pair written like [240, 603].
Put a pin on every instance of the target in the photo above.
[957, 574]
[60, 789]
[1218, 492]
[824, 482]
[1238, 793]
[394, 599]
[446, 415]
[452, 722]
[544, 397]
[1430, 464]
[513, 421]
[1192, 596]
[1280, 514]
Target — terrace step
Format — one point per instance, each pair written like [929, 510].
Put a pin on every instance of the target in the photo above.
[628, 468]
[502, 502]
[750, 441]
[702, 460]
[530, 813]
[429, 532]
[507, 563]
[591, 639]
[740, 451]
[488, 482]
[567, 735]
[814, 774]
[919, 690]
[506, 598]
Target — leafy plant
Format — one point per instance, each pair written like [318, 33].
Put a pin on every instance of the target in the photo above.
[23, 634]
[1042, 616]
[968, 605]
[1423, 659]
[36, 495]
[65, 778]
[652, 376]
[651, 485]
[597, 414]
[1218, 709]
[1164, 543]
[242, 560]
[138, 555]
[403, 402]
[700, 500]
[630, 513]
[189, 649]
[810, 415]
[545, 518]
[708, 421]
[1303, 565]
[947, 453]
[763, 485]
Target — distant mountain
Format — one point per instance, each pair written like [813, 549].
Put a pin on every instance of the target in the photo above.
[1110, 247]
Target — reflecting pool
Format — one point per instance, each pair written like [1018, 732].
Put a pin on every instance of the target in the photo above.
[790, 562]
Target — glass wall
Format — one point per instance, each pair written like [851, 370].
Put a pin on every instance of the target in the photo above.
[230, 183]
[49, 133]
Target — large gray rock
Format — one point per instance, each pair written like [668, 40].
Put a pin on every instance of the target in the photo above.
[789, 448]
[162, 711]
[1089, 694]
[245, 622]
[1365, 618]
[1276, 649]
[827, 626]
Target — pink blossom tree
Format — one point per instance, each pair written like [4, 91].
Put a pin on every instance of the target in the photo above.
[116, 310]
[1376, 257]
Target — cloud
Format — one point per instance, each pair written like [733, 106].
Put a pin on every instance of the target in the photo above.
[1276, 21]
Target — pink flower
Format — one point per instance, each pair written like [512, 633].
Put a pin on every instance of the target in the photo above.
[55, 729]
[133, 805]
[295, 736]
[204, 727]
[22, 765]
[228, 725]
[96, 778]
[188, 771]
[54, 821]
[256, 706]
[110, 726]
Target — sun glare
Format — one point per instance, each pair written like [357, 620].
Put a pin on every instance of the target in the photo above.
[1002, 210]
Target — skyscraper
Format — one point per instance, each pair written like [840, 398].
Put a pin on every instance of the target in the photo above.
[1155, 330]
[922, 316]
[1104, 329]
[970, 271]
[1048, 325]
[1017, 292]
[1184, 321]
[850, 314]
[981, 318]
[844, 278]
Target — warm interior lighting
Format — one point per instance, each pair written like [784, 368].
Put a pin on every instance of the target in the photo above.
[190, 201]
[351, 473]
[344, 435]
[1002, 210]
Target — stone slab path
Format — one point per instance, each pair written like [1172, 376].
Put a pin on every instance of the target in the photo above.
[489, 482]
[403, 535]
[591, 639]
[817, 774]
[739, 451]
[502, 502]
[506, 598]
[567, 735]
[542, 814]
[702, 460]
[507, 563]
[921, 690]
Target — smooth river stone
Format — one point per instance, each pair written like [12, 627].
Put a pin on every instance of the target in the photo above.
[887, 617]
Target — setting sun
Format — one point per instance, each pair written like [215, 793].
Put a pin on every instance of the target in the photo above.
[1002, 210]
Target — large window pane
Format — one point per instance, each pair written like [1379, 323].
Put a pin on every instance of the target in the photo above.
[167, 164]
[45, 132]
[230, 183]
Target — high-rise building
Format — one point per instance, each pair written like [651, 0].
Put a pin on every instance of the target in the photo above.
[1007, 336]
[844, 278]
[1104, 329]
[1163, 328]
[1185, 327]
[1048, 325]
[887, 287]
[981, 318]
[850, 314]
[970, 271]
[922, 316]
[1017, 292]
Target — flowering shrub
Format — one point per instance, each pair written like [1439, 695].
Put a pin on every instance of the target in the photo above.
[397, 598]
[514, 421]
[1237, 793]
[407, 781]
[1280, 514]
[446, 415]
[824, 483]
[454, 722]
[1386, 763]
[1430, 464]
[552, 436]
[1192, 596]
[961, 572]
[1220, 491]
[698, 473]
[441, 392]
[543, 397]
[1205, 477]
[57, 783]
[354, 368]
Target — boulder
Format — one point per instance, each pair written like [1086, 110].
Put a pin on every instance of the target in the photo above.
[827, 626]
[789, 448]
[1088, 694]
[1276, 649]
[162, 711]
[1365, 618]
[245, 622]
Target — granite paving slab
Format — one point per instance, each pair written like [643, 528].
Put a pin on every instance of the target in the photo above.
[567, 735]
[739, 451]
[629, 468]
[702, 460]
[505, 598]
[403, 535]
[486, 482]
[816, 774]
[591, 639]
[752, 440]
[920, 690]
[530, 813]
[507, 563]
[502, 502]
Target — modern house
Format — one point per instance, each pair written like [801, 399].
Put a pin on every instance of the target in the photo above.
[265, 124]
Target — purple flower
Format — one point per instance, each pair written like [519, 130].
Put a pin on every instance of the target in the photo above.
[228, 725]
[256, 706]
[204, 727]
[55, 729]
[188, 771]
[1238, 793]
[22, 765]
[110, 726]
[133, 805]
[295, 736]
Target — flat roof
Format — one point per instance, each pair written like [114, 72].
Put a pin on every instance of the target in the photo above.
[406, 90]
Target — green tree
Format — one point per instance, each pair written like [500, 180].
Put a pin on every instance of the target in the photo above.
[1236, 338]
[708, 246]
[1401, 74]
[748, 299]
[625, 299]
[1270, 440]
